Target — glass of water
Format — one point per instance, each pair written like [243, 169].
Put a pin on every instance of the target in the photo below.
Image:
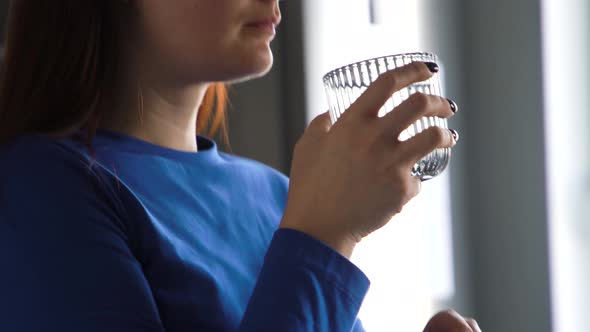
[345, 84]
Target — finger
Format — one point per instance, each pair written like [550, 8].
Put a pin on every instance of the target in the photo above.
[419, 105]
[473, 324]
[408, 186]
[447, 321]
[369, 103]
[320, 124]
[417, 147]
[415, 186]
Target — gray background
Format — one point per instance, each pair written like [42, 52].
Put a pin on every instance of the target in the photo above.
[499, 216]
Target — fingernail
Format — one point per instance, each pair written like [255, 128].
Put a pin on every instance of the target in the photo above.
[455, 135]
[433, 67]
[454, 106]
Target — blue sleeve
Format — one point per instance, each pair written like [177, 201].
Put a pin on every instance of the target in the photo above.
[67, 261]
[358, 326]
[64, 254]
[305, 286]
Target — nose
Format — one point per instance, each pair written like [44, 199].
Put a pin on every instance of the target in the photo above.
[276, 8]
[278, 13]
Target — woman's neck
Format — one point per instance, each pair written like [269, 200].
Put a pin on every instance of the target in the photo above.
[161, 115]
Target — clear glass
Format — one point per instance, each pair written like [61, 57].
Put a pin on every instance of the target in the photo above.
[345, 84]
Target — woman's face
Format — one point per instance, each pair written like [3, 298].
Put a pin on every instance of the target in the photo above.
[207, 40]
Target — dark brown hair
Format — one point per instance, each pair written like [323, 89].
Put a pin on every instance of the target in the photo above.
[62, 63]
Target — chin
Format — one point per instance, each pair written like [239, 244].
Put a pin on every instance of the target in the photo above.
[250, 67]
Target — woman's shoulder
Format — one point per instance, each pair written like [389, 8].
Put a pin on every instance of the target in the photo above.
[41, 173]
[34, 156]
[30, 146]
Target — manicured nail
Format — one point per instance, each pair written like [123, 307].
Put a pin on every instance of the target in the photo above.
[433, 67]
[454, 106]
[455, 135]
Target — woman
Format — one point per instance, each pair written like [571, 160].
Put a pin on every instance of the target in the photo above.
[113, 217]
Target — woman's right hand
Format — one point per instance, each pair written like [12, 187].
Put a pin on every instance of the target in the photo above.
[350, 179]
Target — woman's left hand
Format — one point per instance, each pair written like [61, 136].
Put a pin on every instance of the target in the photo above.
[451, 321]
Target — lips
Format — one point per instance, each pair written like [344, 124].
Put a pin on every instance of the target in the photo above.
[271, 21]
[261, 25]
[267, 26]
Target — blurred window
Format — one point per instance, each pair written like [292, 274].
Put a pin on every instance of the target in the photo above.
[567, 123]
[409, 262]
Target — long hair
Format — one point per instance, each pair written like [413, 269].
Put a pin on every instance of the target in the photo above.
[62, 63]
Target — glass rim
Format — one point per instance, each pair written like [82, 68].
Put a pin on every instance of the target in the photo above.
[331, 73]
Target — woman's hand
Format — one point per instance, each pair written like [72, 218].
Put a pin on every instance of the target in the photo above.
[350, 179]
[450, 321]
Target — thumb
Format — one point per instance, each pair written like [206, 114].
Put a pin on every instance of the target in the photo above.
[321, 124]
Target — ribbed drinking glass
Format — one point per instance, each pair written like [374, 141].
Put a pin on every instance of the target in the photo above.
[345, 84]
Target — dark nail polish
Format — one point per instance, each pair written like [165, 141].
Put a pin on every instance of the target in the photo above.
[454, 106]
[455, 135]
[433, 67]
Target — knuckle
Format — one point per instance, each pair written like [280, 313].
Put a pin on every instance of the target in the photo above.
[436, 136]
[318, 125]
[309, 130]
[418, 68]
[397, 206]
[422, 101]
[312, 124]
[407, 189]
[316, 120]
[390, 78]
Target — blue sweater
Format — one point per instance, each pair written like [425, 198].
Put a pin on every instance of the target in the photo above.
[146, 238]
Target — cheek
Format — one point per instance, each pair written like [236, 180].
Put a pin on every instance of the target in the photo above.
[203, 40]
[188, 25]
